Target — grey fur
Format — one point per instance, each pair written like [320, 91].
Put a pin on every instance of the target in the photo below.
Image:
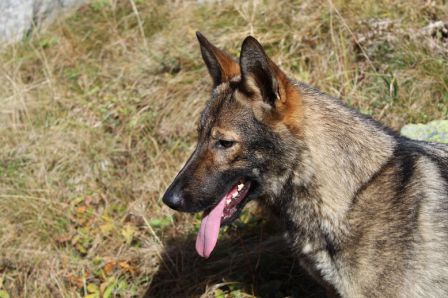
[365, 210]
[373, 219]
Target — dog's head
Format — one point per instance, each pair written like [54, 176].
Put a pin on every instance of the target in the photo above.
[244, 139]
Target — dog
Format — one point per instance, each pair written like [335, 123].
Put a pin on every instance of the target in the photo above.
[364, 209]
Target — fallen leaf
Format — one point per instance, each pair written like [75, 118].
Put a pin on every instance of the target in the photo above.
[106, 228]
[75, 280]
[92, 288]
[81, 209]
[125, 266]
[128, 233]
[109, 267]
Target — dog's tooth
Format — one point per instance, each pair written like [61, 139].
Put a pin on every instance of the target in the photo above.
[240, 186]
[228, 201]
[234, 195]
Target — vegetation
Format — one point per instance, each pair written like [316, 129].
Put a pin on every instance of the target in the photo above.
[99, 113]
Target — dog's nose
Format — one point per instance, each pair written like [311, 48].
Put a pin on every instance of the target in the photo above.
[173, 200]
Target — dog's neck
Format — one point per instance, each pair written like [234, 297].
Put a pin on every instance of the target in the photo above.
[341, 152]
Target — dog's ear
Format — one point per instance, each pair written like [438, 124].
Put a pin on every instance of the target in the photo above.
[259, 75]
[272, 95]
[220, 65]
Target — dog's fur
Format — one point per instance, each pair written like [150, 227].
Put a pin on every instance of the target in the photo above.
[365, 210]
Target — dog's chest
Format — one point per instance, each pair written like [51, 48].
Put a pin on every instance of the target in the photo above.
[320, 263]
[312, 239]
[314, 252]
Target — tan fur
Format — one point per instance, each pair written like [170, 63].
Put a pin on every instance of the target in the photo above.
[229, 68]
[290, 105]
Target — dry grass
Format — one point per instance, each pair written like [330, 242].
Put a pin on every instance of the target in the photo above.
[98, 113]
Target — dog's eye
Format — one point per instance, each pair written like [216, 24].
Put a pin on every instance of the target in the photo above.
[224, 144]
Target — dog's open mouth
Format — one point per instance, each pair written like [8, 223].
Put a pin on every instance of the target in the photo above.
[224, 212]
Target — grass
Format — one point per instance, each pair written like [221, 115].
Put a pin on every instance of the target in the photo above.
[99, 112]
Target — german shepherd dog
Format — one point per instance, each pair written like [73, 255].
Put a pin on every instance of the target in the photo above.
[364, 209]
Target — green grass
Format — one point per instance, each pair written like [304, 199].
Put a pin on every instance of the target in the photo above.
[99, 112]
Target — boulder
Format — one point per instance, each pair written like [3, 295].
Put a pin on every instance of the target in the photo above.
[434, 131]
[18, 17]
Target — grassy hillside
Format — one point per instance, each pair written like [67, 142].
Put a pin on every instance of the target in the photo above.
[99, 112]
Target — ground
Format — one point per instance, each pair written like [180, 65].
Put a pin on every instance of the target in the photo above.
[99, 112]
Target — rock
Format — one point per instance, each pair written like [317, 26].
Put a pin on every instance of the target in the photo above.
[434, 131]
[18, 17]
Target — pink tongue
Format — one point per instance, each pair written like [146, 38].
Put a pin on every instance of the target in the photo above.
[209, 230]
